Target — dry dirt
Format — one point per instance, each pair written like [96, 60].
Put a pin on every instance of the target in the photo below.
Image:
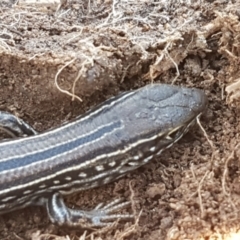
[57, 60]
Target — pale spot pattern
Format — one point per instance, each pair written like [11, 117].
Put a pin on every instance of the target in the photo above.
[136, 157]
[99, 168]
[82, 174]
[112, 164]
[152, 149]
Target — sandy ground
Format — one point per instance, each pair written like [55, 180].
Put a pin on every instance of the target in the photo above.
[59, 59]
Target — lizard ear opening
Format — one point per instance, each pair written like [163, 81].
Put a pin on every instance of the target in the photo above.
[174, 133]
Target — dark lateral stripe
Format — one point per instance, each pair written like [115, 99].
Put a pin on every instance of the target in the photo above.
[57, 150]
[95, 112]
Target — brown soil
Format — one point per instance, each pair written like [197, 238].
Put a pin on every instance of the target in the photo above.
[59, 60]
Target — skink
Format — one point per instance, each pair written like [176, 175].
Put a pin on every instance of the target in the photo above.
[118, 136]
